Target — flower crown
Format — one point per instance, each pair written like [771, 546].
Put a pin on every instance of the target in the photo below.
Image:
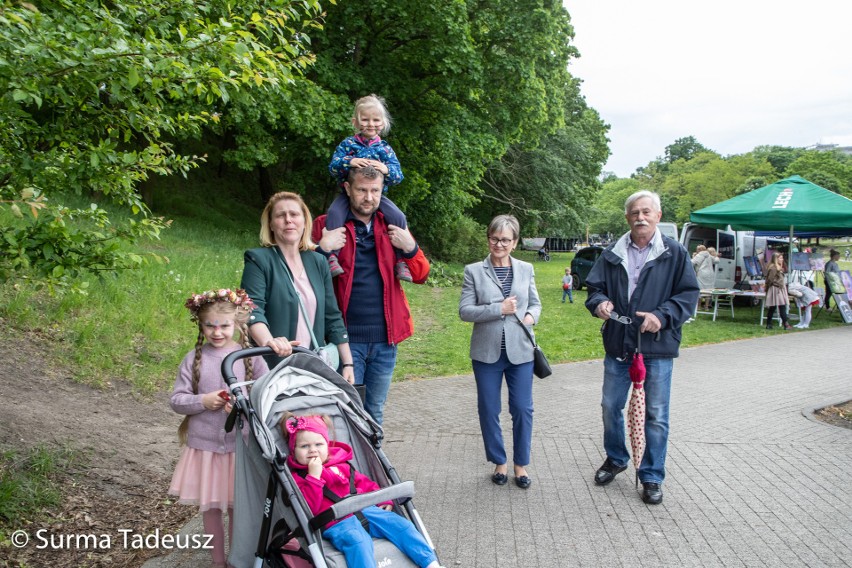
[237, 297]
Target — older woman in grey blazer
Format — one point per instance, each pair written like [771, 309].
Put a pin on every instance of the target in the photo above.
[499, 296]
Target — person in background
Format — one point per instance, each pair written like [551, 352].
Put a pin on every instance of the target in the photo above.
[499, 296]
[776, 291]
[704, 263]
[648, 278]
[806, 299]
[568, 285]
[831, 267]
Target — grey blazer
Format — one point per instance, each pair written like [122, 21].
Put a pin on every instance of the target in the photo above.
[480, 303]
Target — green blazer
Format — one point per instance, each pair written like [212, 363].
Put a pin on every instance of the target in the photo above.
[269, 286]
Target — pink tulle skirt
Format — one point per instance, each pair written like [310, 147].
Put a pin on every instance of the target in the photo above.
[205, 479]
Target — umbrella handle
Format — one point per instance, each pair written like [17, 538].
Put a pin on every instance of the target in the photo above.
[639, 340]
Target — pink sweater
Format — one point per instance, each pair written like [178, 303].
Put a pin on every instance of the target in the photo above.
[207, 427]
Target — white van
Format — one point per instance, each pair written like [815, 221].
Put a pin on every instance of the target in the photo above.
[668, 230]
[732, 246]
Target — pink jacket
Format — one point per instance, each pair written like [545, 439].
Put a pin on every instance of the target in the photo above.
[338, 481]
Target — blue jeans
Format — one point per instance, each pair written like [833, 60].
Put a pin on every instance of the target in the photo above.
[350, 538]
[570, 293]
[616, 387]
[489, 384]
[374, 365]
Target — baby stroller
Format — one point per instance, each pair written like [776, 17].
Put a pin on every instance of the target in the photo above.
[273, 525]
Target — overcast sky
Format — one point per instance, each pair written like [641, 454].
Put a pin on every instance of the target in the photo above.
[733, 74]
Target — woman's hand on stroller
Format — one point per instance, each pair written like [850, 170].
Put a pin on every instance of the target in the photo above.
[348, 373]
[281, 345]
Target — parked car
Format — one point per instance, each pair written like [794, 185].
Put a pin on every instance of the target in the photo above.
[582, 263]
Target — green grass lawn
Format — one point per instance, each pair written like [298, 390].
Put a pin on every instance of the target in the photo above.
[566, 332]
[134, 327]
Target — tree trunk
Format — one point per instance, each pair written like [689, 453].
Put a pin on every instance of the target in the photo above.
[265, 183]
[146, 191]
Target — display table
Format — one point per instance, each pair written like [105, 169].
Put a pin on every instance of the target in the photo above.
[762, 297]
[724, 298]
[721, 297]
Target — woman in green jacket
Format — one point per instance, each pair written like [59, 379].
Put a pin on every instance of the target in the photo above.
[284, 268]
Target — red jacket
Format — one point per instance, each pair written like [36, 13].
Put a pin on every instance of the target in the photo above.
[397, 313]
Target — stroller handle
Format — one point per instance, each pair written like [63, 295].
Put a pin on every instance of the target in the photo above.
[228, 363]
[241, 406]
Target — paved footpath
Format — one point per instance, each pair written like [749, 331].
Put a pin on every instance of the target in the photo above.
[752, 478]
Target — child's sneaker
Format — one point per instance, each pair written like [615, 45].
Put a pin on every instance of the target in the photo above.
[334, 266]
[401, 270]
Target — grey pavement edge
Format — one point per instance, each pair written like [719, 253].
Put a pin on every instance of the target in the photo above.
[751, 481]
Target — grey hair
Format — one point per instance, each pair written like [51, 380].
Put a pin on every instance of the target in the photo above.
[655, 200]
[503, 222]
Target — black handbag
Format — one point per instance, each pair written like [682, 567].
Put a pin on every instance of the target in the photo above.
[541, 366]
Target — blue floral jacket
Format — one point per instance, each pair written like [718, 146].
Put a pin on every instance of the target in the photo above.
[375, 149]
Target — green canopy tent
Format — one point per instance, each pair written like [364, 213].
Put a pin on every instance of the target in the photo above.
[790, 205]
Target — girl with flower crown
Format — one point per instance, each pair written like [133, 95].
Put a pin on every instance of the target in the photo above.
[204, 475]
[318, 465]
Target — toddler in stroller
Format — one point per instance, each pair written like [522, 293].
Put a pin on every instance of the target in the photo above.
[324, 475]
[275, 509]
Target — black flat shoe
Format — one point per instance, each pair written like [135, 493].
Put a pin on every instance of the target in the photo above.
[523, 481]
[499, 478]
[607, 472]
[652, 493]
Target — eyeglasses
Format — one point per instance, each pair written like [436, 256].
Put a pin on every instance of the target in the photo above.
[620, 319]
[502, 242]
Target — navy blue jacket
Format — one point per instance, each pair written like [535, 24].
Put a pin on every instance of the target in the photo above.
[667, 287]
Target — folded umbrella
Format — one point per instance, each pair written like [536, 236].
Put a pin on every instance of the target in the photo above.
[636, 408]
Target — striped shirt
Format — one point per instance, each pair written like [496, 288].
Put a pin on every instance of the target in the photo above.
[504, 277]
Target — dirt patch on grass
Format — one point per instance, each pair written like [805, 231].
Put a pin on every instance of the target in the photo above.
[125, 447]
[836, 415]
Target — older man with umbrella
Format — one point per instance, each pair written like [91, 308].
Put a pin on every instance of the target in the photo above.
[644, 288]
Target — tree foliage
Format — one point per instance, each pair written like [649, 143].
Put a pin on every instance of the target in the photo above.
[607, 215]
[685, 149]
[705, 179]
[779, 156]
[465, 81]
[550, 188]
[702, 178]
[829, 169]
[93, 96]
